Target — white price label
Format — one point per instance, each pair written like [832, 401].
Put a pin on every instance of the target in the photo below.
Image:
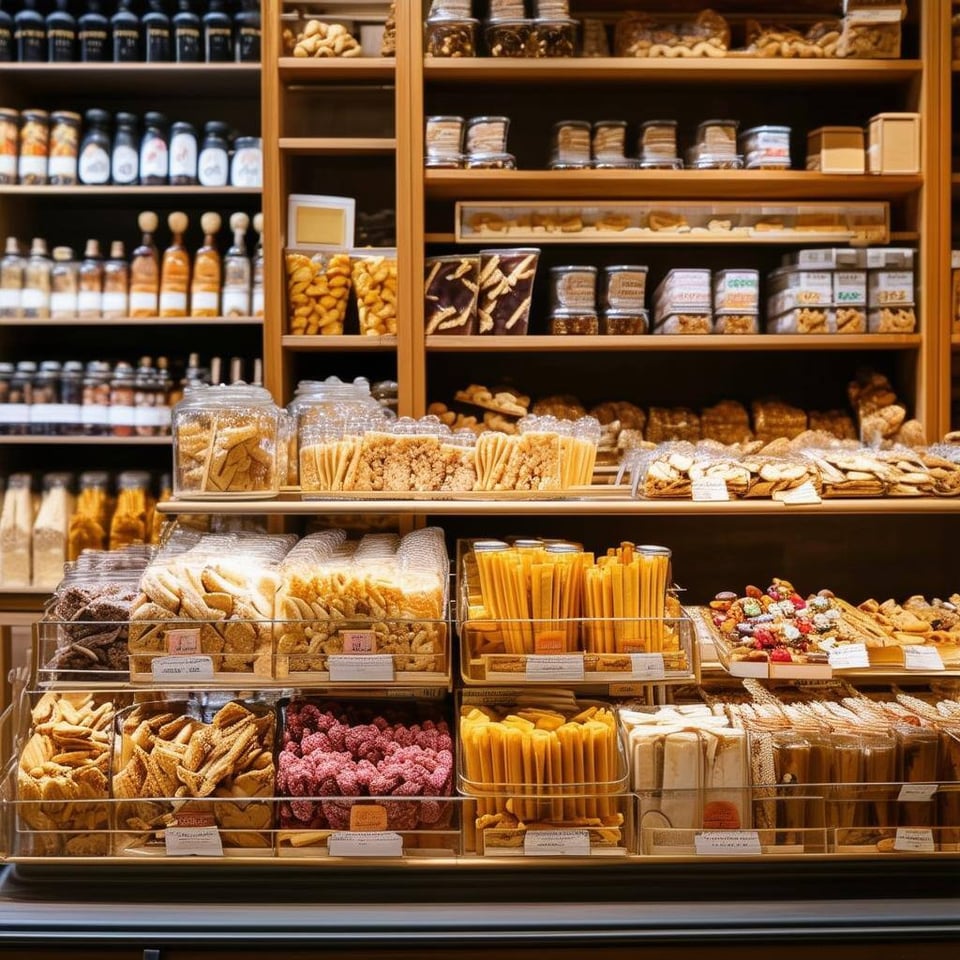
[728, 843]
[914, 840]
[805, 493]
[556, 843]
[182, 668]
[192, 842]
[555, 667]
[850, 656]
[373, 667]
[917, 792]
[365, 845]
[647, 666]
[922, 658]
[710, 489]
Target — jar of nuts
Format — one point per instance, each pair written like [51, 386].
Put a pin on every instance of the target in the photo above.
[375, 285]
[318, 288]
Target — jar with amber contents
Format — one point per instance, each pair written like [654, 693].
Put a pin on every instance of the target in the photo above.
[64, 148]
[9, 129]
[34, 147]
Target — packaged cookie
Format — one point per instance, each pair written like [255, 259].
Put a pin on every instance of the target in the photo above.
[506, 290]
[766, 147]
[318, 288]
[642, 35]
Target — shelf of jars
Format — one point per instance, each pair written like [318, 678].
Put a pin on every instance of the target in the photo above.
[50, 192]
[136, 322]
[84, 441]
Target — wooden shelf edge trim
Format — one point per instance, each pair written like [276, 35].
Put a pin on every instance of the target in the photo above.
[86, 441]
[762, 341]
[138, 322]
[338, 146]
[347, 342]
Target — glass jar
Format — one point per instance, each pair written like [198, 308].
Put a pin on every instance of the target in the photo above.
[63, 285]
[94, 164]
[45, 399]
[95, 415]
[122, 406]
[9, 132]
[34, 147]
[90, 285]
[12, 268]
[448, 37]
[154, 153]
[510, 38]
[624, 287]
[609, 140]
[21, 398]
[444, 136]
[624, 323]
[71, 399]
[213, 166]
[487, 134]
[225, 443]
[246, 168]
[573, 288]
[115, 301]
[555, 38]
[574, 323]
[64, 148]
[571, 141]
[7, 412]
[183, 154]
[35, 296]
[125, 161]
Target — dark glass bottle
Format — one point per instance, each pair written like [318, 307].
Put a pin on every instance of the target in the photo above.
[217, 34]
[31, 34]
[61, 35]
[246, 39]
[156, 34]
[126, 34]
[94, 35]
[186, 35]
[6, 35]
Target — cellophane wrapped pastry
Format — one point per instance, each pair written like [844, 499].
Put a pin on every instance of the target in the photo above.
[16, 531]
[640, 35]
[90, 523]
[130, 523]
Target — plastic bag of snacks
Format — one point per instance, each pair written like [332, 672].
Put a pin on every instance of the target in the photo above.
[375, 286]
[318, 288]
[639, 35]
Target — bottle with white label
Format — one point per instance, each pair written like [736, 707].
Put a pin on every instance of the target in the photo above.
[144, 399]
[175, 270]
[183, 154]
[154, 154]
[125, 161]
[116, 281]
[122, 406]
[12, 268]
[94, 163]
[237, 270]
[35, 296]
[145, 270]
[90, 288]
[246, 168]
[45, 401]
[257, 295]
[63, 285]
[163, 396]
[213, 166]
[205, 285]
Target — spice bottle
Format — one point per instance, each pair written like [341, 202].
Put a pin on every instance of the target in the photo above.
[12, 267]
[213, 168]
[71, 399]
[6, 36]
[183, 154]
[35, 296]
[156, 34]
[144, 399]
[126, 34]
[94, 165]
[30, 32]
[217, 34]
[116, 282]
[205, 285]
[63, 285]
[154, 155]
[90, 287]
[175, 270]
[61, 34]
[95, 415]
[125, 160]
[21, 397]
[186, 34]
[7, 414]
[46, 396]
[145, 270]
[257, 292]
[246, 168]
[237, 270]
[122, 409]
[246, 39]
[34, 146]
[9, 133]
[64, 148]
[94, 35]
[163, 397]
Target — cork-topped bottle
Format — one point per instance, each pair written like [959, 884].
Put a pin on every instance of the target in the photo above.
[145, 270]
[35, 296]
[12, 268]
[175, 270]
[237, 270]
[256, 305]
[116, 283]
[90, 291]
[205, 286]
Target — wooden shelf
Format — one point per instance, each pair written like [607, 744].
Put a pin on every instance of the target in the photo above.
[88, 441]
[51, 193]
[657, 184]
[737, 70]
[337, 68]
[338, 146]
[600, 344]
[139, 322]
[345, 343]
[6, 592]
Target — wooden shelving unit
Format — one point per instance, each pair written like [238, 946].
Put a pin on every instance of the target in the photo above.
[296, 70]
[135, 194]
[346, 343]
[123, 322]
[338, 146]
[87, 441]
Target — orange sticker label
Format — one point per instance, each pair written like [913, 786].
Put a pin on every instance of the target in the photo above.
[721, 815]
[183, 641]
[548, 643]
[186, 819]
[368, 818]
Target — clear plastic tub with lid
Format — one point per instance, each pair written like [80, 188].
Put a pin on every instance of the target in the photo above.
[736, 290]
[573, 288]
[447, 37]
[821, 318]
[510, 38]
[375, 285]
[444, 137]
[225, 443]
[658, 140]
[506, 289]
[486, 135]
[450, 294]
[609, 139]
[571, 142]
[766, 147]
[718, 137]
[318, 288]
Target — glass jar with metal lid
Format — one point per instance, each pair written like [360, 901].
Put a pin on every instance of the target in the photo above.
[571, 141]
[444, 136]
[246, 168]
[213, 166]
[487, 135]
[64, 148]
[609, 140]
[94, 164]
[34, 147]
[183, 154]
[9, 131]
[573, 287]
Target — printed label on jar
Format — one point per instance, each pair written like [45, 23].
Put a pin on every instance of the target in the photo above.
[212, 168]
[236, 303]
[122, 416]
[60, 45]
[93, 45]
[891, 286]
[42, 414]
[626, 290]
[94, 164]
[183, 156]
[62, 168]
[172, 300]
[14, 413]
[203, 300]
[188, 45]
[89, 301]
[95, 415]
[154, 160]
[63, 303]
[162, 415]
[32, 167]
[114, 304]
[9, 299]
[850, 288]
[8, 166]
[66, 413]
[575, 290]
[247, 168]
[125, 45]
[33, 299]
[737, 290]
[143, 301]
[257, 306]
[768, 144]
[126, 162]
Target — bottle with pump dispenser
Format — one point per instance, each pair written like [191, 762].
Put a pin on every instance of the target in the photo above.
[7, 43]
[175, 270]
[237, 270]
[217, 34]
[156, 34]
[61, 34]
[35, 297]
[125, 25]
[205, 286]
[116, 283]
[90, 286]
[12, 268]
[145, 270]
[94, 35]
[256, 296]
[30, 33]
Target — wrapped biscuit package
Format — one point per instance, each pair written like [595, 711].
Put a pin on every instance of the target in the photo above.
[641, 35]
[506, 290]
[225, 443]
[50, 529]
[16, 526]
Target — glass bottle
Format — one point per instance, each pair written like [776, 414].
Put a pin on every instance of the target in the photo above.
[12, 267]
[186, 34]
[122, 408]
[257, 292]
[35, 297]
[63, 285]
[246, 167]
[34, 147]
[95, 415]
[94, 163]
[94, 35]
[217, 34]
[90, 287]
[64, 148]
[125, 25]
[8, 415]
[30, 32]
[144, 398]
[9, 149]
[154, 155]
[145, 270]
[61, 34]
[71, 399]
[6, 36]
[21, 397]
[175, 270]
[163, 399]
[237, 270]
[246, 42]
[116, 283]
[213, 168]
[46, 396]
[156, 34]
[125, 160]
[183, 154]
[205, 285]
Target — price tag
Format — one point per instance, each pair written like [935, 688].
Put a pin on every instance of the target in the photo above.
[556, 843]
[805, 493]
[915, 840]
[560, 667]
[710, 490]
[182, 668]
[365, 845]
[917, 792]
[647, 666]
[183, 641]
[850, 656]
[192, 842]
[922, 658]
[728, 843]
[368, 818]
[549, 643]
[359, 641]
[364, 667]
